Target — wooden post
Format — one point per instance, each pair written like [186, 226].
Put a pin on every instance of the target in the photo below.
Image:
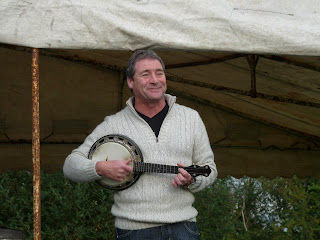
[253, 61]
[122, 82]
[36, 145]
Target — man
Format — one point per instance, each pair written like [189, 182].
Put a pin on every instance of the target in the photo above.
[157, 206]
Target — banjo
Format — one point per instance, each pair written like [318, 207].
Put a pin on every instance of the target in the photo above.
[120, 147]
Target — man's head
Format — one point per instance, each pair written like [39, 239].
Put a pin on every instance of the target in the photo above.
[138, 55]
[146, 77]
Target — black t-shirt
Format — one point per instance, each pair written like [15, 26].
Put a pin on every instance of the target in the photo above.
[156, 121]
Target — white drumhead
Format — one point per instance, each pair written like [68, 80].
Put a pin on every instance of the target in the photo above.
[112, 150]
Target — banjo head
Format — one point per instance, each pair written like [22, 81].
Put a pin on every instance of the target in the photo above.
[116, 147]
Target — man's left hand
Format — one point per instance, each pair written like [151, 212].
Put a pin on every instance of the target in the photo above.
[182, 178]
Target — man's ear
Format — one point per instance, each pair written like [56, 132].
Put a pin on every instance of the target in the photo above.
[130, 82]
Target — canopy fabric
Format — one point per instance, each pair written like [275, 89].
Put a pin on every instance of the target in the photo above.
[247, 26]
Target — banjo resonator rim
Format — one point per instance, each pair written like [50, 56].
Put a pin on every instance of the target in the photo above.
[130, 146]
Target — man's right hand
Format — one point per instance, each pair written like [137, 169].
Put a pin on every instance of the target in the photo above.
[115, 169]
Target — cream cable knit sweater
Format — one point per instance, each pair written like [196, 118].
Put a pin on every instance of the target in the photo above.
[152, 200]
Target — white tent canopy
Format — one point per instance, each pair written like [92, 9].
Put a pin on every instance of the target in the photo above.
[247, 26]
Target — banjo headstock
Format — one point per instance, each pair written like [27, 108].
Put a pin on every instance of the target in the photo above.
[195, 170]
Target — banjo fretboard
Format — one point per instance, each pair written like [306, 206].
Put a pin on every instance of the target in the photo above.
[154, 168]
[194, 170]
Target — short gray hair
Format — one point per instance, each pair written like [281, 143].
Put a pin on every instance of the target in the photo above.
[138, 55]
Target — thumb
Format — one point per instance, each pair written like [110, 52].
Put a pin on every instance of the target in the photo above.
[180, 165]
[127, 161]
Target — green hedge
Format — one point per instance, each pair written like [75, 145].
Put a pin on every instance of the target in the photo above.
[68, 210]
[230, 209]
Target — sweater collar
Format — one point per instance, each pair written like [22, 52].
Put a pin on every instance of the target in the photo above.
[169, 98]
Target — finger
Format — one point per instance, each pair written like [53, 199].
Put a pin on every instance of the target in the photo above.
[181, 178]
[127, 161]
[127, 168]
[121, 179]
[184, 173]
[123, 174]
[174, 183]
[177, 181]
[186, 180]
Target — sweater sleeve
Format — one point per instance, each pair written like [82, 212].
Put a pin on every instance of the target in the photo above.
[202, 155]
[77, 166]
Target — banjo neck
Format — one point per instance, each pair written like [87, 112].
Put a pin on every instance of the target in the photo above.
[193, 170]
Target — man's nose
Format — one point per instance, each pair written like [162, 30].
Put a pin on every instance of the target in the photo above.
[153, 78]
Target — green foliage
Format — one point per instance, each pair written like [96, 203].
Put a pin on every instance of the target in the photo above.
[16, 201]
[239, 209]
[247, 208]
[216, 210]
[68, 210]
[74, 210]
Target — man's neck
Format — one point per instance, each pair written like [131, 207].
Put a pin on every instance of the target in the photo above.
[150, 109]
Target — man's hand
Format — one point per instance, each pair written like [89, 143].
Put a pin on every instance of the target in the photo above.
[115, 169]
[182, 178]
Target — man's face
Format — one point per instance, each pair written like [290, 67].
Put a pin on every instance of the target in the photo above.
[149, 81]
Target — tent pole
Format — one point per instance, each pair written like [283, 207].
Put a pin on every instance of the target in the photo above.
[122, 81]
[36, 145]
[253, 61]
